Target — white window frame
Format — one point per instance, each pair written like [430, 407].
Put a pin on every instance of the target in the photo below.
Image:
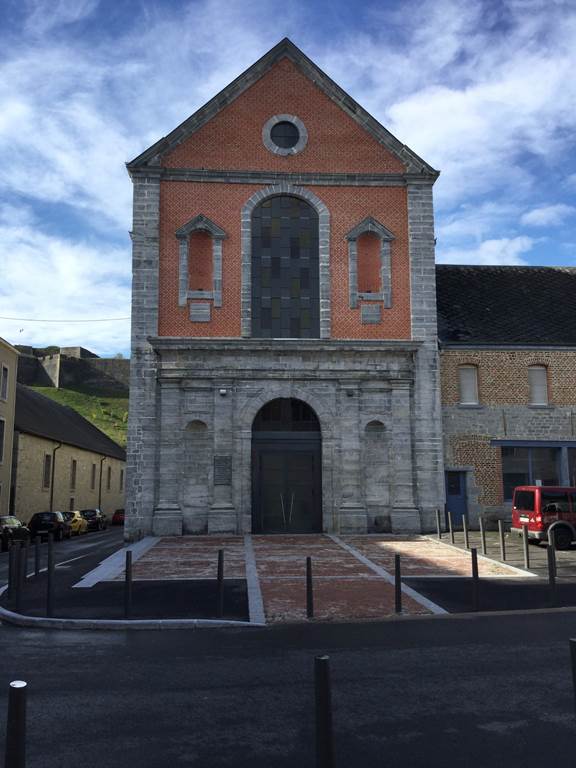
[4, 393]
[535, 387]
[461, 386]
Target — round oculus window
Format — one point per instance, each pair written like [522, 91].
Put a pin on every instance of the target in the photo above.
[285, 134]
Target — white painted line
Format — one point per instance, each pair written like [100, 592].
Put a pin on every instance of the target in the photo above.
[113, 566]
[513, 568]
[255, 602]
[388, 576]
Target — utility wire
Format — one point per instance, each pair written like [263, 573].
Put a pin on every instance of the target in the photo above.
[41, 320]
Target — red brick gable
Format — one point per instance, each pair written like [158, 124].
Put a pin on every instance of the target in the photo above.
[232, 139]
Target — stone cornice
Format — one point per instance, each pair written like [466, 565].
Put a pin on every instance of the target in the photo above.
[274, 177]
[282, 346]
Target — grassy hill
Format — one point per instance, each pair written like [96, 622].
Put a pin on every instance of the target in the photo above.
[107, 412]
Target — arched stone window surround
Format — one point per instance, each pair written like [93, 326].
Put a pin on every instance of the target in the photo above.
[203, 223]
[323, 246]
[369, 224]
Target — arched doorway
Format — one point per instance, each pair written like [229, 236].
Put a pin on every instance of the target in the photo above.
[285, 278]
[286, 468]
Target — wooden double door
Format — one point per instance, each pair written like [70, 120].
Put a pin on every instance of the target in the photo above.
[287, 484]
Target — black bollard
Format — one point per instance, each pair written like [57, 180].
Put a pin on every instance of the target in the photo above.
[526, 546]
[128, 585]
[551, 578]
[11, 571]
[397, 585]
[450, 526]
[50, 578]
[552, 546]
[37, 557]
[502, 542]
[26, 558]
[16, 726]
[438, 525]
[20, 576]
[309, 589]
[465, 530]
[323, 696]
[475, 580]
[482, 534]
[220, 585]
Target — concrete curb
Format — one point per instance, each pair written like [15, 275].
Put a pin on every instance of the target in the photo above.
[42, 622]
[487, 558]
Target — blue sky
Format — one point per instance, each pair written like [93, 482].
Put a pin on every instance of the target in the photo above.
[483, 91]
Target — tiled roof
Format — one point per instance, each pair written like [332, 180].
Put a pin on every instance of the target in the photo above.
[39, 415]
[506, 305]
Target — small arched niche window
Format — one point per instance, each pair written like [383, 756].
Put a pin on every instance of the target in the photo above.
[200, 266]
[468, 384]
[538, 383]
[369, 266]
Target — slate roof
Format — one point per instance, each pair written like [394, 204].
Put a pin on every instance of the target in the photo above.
[37, 414]
[506, 305]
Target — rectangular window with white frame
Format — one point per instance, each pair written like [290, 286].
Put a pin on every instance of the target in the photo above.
[538, 383]
[4, 383]
[468, 384]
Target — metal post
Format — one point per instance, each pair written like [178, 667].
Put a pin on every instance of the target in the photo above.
[37, 557]
[475, 580]
[323, 696]
[482, 534]
[50, 578]
[16, 725]
[11, 571]
[526, 546]
[450, 526]
[552, 547]
[465, 529]
[397, 585]
[502, 542]
[551, 578]
[309, 590]
[128, 585]
[20, 576]
[438, 526]
[573, 658]
[220, 585]
[26, 558]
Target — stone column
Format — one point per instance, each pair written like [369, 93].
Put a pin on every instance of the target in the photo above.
[222, 517]
[352, 510]
[167, 520]
[404, 516]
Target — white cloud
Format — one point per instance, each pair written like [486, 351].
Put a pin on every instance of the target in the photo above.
[45, 15]
[44, 276]
[547, 215]
[502, 251]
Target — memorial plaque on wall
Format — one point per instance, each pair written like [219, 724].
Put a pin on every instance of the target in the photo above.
[222, 470]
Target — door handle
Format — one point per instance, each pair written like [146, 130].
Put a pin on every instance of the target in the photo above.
[283, 512]
[291, 509]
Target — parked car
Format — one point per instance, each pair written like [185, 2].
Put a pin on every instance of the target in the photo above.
[96, 519]
[76, 522]
[12, 529]
[118, 517]
[43, 523]
[546, 510]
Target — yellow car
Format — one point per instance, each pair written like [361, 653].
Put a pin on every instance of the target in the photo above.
[76, 522]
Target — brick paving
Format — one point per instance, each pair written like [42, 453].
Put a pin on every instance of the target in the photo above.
[346, 587]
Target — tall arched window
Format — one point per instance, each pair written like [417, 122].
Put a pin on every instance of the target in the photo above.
[285, 269]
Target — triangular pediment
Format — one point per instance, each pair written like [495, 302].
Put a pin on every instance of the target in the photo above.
[285, 49]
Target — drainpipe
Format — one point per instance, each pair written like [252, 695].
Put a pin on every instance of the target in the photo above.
[52, 478]
[102, 460]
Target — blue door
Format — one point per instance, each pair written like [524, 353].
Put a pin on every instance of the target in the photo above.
[456, 496]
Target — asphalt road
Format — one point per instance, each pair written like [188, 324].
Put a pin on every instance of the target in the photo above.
[474, 691]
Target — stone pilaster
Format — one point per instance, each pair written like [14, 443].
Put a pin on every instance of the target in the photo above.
[167, 520]
[404, 515]
[223, 518]
[352, 511]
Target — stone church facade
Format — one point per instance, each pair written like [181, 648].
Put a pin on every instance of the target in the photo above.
[284, 373]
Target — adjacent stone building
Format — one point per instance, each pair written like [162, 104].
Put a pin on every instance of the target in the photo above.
[8, 370]
[284, 371]
[61, 461]
[508, 360]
